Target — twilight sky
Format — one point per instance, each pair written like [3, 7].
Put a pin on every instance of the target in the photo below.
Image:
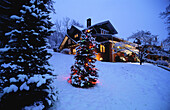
[127, 16]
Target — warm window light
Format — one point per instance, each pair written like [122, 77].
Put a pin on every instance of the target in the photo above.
[102, 48]
[101, 58]
[64, 41]
[74, 50]
[75, 36]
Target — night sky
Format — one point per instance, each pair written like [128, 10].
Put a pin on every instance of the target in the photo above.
[127, 16]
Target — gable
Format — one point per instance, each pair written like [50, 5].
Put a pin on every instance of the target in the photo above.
[67, 41]
[73, 31]
[106, 25]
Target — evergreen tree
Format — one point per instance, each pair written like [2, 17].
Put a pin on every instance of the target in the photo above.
[83, 72]
[166, 15]
[25, 75]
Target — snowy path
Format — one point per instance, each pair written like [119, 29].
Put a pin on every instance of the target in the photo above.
[123, 86]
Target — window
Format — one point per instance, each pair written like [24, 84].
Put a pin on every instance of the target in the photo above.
[103, 31]
[76, 35]
[102, 48]
[74, 51]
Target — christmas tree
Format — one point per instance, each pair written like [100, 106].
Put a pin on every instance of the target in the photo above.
[83, 72]
[25, 74]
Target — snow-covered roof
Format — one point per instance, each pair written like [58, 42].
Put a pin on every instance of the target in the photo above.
[79, 28]
[71, 39]
[107, 25]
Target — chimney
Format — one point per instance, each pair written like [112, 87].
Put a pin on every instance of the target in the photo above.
[88, 22]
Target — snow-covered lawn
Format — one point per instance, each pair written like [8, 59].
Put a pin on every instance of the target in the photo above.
[122, 86]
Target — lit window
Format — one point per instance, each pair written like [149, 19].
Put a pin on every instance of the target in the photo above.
[74, 51]
[102, 48]
[75, 36]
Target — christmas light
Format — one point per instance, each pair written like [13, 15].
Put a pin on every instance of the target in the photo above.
[93, 82]
[88, 30]
[69, 81]
[86, 64]
[83, 67]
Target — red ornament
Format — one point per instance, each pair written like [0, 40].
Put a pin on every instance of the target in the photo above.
[69, 80]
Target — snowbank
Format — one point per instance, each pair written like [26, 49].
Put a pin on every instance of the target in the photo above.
[122, 86]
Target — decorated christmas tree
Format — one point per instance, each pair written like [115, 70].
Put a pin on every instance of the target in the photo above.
[83, 72]
[25, 75]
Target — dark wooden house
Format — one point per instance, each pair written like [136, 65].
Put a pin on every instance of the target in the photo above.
[105, 35]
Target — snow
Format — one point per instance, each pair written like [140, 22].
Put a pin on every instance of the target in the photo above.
[12, 80]
[22, 11]
[11, 88]
[15, 17]
[49, 101]
[38, 79]
[35, 15]
[79, 28]
[9, 33]
[122, 86]
[4, 49]
[36, 33]
[24, 86]
[22, 77]
[34, 79]
[32, 1]
[37, 106]
[27, 8]
[42, 81]
[13, 66]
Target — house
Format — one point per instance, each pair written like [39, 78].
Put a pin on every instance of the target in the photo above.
[104, 32]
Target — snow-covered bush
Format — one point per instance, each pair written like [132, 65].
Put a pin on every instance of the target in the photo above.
[66, 51]
[162, 62]
[25, 75]
[150, 61]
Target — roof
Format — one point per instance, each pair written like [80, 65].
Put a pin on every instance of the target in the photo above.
[65, 40]
[79, 28]
[73, 30]
[107, 25]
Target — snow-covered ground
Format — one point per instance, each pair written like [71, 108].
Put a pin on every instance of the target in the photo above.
[122, 86]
